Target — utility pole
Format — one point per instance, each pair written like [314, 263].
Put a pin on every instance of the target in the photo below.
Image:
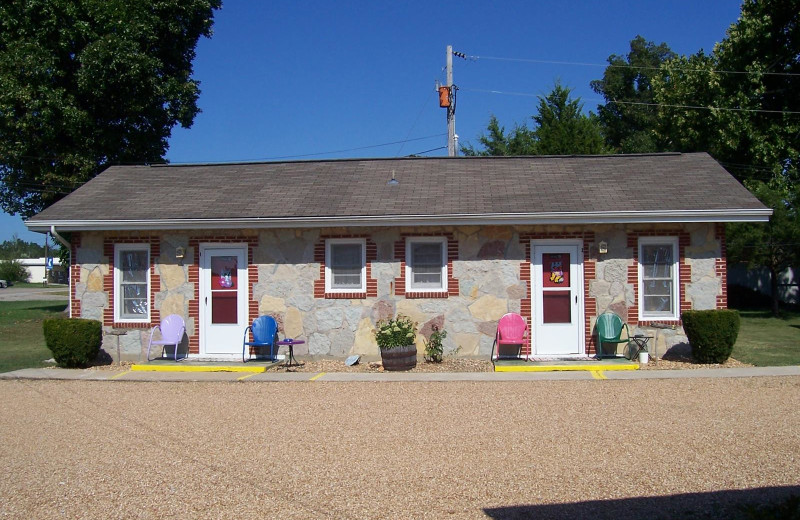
[451, 110]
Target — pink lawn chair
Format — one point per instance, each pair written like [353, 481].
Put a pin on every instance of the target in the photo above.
[512, 329]
[172, 328]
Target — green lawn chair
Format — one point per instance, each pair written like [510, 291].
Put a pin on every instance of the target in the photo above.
[609, 329]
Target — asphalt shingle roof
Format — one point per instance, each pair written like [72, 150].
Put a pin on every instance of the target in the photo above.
[428, 187]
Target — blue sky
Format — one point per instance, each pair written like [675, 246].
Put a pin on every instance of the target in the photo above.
[311, 80]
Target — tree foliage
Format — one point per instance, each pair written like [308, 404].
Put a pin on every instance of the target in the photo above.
[774, 245]
[88, 83]
[563, 129]
[13, 271]
[740, 104]
[746, 89]
[560, 128]
[497, 142]
[18, 248]
[628, 118]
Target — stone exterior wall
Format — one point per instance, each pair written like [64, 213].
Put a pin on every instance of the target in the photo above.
[489, 275]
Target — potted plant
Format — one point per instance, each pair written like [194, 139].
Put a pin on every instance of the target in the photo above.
[395, 337]
[433, 346]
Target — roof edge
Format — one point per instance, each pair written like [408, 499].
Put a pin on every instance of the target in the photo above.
[610, 217]
[285, 160]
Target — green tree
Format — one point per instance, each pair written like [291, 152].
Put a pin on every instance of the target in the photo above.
[740, 104]
[88, 83]
[18, 248]
[628, 118]
[765, 44]
[563, 129]
[560, 128]
[13, 271]
[496, 142]
[774, 245]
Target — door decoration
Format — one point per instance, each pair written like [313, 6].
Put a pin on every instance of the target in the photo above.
[224, 290]
[553, 269]
[225, 279]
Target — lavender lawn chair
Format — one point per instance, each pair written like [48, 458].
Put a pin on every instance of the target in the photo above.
[172, 329]
[512, 329]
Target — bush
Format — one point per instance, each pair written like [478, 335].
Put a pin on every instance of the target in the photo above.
[433, 347]
[13, 271]
[395, 332]
[74, 342]
[711, 334]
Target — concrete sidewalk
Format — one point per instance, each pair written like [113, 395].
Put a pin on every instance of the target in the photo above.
[128, 375]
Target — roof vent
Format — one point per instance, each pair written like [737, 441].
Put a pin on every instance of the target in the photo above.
[393, 181]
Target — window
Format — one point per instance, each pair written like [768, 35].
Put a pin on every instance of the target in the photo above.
[131, 282]
[658, 278]
[345, 265]
[426, 264]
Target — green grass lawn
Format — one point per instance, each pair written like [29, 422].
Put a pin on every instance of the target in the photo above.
[768, 341]
[21, 337]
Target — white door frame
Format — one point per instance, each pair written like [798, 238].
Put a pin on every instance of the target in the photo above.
[242, 298]
[576, 282]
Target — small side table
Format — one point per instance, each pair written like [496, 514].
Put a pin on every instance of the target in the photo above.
[640, 341]
[291, 361]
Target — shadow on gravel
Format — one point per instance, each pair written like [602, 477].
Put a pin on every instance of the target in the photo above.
[773, 503]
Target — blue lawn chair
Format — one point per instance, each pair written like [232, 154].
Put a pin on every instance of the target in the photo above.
[265, 334]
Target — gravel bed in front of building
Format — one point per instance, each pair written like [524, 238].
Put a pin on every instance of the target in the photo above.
[684, 448]
[451, 364]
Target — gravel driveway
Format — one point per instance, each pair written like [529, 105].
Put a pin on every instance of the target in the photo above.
[15, 294]
[535, 449]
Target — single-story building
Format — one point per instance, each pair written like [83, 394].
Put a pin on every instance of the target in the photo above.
[330, 247]
[38, 269]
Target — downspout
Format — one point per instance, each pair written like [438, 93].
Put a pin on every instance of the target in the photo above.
[66, 244]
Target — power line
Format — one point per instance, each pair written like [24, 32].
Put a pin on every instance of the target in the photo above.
[426, 151]
[414, 124]
[333, 151]
[638, 67]
[699, 107]
[403, 141]
[753, 110]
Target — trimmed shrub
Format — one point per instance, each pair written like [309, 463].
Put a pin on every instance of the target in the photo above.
[74, 342]
[711, 334]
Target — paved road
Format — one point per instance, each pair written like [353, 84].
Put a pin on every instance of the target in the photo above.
[656, 448]
[14, 293]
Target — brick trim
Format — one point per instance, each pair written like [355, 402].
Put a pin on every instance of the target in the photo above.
[589, 274]
[452, 256]
[74, 276]
[684, 273]
[721, 266]
[108, 280]
[371, 254]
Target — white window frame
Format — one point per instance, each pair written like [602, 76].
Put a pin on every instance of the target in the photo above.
[118, 292]
[410, 264]
[674, 313]
[329, 288]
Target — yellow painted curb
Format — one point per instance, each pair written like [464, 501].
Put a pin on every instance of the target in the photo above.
[598, 374]
[198, 368]
[317, 376]
[560, 368]
[120, 374]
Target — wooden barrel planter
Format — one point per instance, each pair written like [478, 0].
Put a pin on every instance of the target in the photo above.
[399, 358]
